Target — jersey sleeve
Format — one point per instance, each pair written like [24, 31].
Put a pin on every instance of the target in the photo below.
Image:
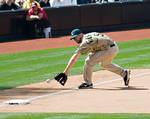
[85, 47]
[82, 50]
[30, 12]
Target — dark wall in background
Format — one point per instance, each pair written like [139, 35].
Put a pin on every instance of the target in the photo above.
[92, 17]
[11, 23]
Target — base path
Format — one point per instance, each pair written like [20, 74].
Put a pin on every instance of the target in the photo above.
[108, 96]
[39, 44]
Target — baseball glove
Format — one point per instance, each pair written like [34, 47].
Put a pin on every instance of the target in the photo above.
[61, 78]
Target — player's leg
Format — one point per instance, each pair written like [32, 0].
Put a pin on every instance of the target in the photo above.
[47, 32]
[108, 65]
[90, 61]
[87, 73]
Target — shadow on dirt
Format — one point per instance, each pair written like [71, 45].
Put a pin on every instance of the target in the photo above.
[124, 88]
[4, 94]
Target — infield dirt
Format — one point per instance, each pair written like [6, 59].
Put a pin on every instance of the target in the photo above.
[108, 96]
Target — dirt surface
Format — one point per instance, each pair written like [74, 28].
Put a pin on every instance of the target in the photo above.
[109, 94]
[39, 44]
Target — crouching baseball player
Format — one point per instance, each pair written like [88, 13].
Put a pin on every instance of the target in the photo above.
[99, 49]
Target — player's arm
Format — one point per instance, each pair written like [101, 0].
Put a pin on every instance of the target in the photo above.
[40, 15]
[62, 77]
[71, 62]
[31, 17]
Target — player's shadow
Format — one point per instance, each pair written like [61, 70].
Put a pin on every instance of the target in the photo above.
[9, 93]
[123, 88]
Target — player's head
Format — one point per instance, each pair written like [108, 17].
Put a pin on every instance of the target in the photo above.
[76, 35]
[34, 5]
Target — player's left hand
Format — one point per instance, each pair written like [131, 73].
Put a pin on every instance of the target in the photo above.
[61, 78]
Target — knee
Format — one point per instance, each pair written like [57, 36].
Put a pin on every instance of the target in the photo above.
[105, 65]
[88, 62]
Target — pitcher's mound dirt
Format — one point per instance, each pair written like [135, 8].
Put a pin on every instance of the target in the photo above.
[108, 96]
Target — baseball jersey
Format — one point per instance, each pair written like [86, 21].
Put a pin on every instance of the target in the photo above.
[40, 10]
[93, 42]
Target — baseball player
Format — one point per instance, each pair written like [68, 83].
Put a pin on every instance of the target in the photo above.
[99, 49]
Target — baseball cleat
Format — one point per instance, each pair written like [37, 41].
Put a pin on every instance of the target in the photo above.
[127, 77]
[86, 86]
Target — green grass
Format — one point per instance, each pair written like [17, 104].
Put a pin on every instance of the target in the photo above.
[71, 116]
[30, 67]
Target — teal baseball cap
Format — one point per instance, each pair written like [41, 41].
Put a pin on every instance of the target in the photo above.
[75, 33]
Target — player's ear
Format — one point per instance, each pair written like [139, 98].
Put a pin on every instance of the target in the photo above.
[81, 35]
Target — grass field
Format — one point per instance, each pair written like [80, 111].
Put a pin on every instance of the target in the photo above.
[71, 116]
[30, 67]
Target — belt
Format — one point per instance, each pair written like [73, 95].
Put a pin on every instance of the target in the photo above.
[112, 45]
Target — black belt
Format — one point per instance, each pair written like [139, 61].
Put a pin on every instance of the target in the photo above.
[112, 45]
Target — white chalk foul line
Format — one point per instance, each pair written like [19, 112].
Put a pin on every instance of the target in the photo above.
[75, 88]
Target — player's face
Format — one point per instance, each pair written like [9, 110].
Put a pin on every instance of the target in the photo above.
[35, 8]
[78, 39]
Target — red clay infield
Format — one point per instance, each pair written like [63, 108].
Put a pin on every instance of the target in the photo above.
[108, 96]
